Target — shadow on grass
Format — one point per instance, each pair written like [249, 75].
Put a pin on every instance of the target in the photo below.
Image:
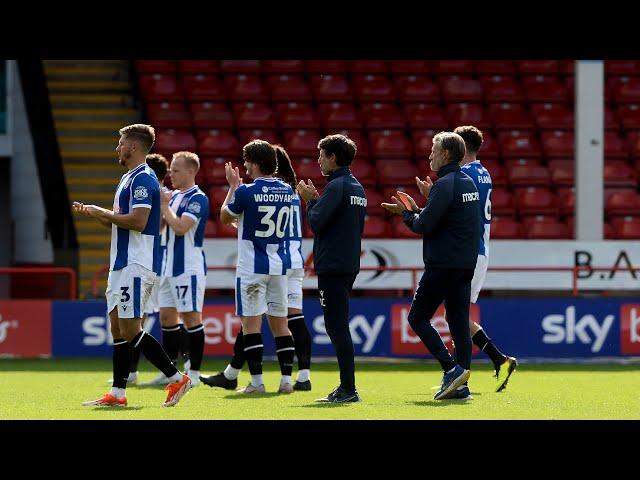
[323, 405]
[440, 403]
[251, 396]
[104, 408]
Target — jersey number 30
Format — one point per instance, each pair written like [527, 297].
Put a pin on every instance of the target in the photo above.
[279, 227]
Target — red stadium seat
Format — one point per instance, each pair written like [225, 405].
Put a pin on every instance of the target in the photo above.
[307, 168]
[626, 228]
[536, 201]
[382, 116]
[422, 115]
[633, 139]
[414, 88]
[389, 144]
[374, 199]
[159, 88]
[500, 88]
[502, 202]
[495, 67]
[509, 163]
[289, 88]
[550, 116]
[422, 142]
[396, 172]
[339, 115]
[406, 185]
[510, 116]
[376, 226]
[254, 115]
[618, 173]
[324, 67]
[400, 230]
[211, 115]
[196, 67]
[373, 88]
[330, 88]
[630, 116]
[558, 143]
[562, 172]
[241, 66]
[552, 230]
[203, 87]
[615, 146]
[567, 201]
[379, 67]
[489, 149]
[365, 172]
[210, 229]
[542, 88]
[519, 144]
[213, 170]
[409, 67]
[302, 143]
[538, 67]
[218, 143]
[155, 66]
[497, 171]
[225, 231]
[611, 120]
[529, 175]
[296, 116]
[453, 67]
[461, 89]
[622, 203]
[266, 134]
[626, 90]
[362, 144]
[245, 88]
[168, 115]
[290, 67]
[621, 67]
[505, 228]
[467, 114]
[169, 141]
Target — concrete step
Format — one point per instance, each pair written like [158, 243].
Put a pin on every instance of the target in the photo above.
[90, 126]
[89, 227]
[102, 199]
[77, 86]
[89, 187]
[69, 100]
[94, 241]
[86, 63]
[106, 170]
[89, 269]
[91, 255]
[97, 73]
[71, 154]
[126, 116]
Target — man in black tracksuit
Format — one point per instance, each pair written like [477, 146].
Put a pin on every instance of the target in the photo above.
[337, 220]
[449, 224]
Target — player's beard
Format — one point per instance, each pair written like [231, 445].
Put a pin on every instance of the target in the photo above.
[123, 159]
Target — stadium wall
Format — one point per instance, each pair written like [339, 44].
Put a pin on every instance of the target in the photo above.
[559, 328]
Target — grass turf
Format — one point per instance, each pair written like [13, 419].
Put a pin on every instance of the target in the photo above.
[54, 389]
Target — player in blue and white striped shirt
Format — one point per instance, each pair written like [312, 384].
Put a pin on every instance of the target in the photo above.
[134, 264]
[295, 275]
[263, 212]
[504, 365]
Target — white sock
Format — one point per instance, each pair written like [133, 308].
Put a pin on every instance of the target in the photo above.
[256, 380]
[194, 373]
[304, 375]
[285, 379]
[231, 373]
[117, 392]
[175, 378]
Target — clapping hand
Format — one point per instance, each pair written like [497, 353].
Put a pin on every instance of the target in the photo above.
[233, 175]
[424, 186]
[307, 191]
[408, 202]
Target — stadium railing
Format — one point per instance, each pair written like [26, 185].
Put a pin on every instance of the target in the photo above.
[40, 283]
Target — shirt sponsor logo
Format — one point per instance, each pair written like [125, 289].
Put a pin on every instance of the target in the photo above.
[194, 207]
[140, 193]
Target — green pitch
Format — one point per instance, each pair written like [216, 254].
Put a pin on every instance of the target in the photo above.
[54, 389]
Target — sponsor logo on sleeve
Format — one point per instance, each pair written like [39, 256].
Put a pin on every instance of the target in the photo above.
[194, 207]
[140, 193]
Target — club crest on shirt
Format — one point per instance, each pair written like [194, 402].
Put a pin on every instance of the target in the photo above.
[140, 193]
[265, 189]
[194, 207]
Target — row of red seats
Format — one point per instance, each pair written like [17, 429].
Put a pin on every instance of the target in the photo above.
[398, 67]
[502, 228]
[387, 144]
[335, 115]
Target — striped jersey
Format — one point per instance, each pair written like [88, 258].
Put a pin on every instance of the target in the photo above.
[263, 209]
[295, 234]
[482, 179]
[184, 252]
[138, 188]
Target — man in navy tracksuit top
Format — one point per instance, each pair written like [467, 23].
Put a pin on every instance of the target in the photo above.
[449, 224]
[337, 220]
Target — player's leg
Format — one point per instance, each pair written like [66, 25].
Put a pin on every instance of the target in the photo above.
[298, 328]
[184, 345]
[277, 316]
[428, 297]
[190, 290]
[228, 378]
[503, 365]
[130, 316]
[251, 304]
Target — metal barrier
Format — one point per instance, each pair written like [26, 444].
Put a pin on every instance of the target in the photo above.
[416, 270]
[71, 273]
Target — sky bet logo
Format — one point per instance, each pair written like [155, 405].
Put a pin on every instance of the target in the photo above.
[630, 329]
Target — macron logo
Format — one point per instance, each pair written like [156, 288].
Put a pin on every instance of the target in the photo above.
[361, 201]
[470, 197]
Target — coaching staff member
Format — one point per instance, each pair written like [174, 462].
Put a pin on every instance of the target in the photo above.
[449, 224]
[337, 220]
